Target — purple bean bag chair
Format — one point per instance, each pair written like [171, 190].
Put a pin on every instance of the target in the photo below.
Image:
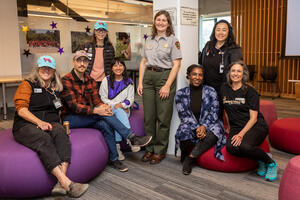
[23, 175]
[136, 120]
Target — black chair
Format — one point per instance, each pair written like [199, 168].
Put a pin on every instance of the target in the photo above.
[269, 75]
[251, 69]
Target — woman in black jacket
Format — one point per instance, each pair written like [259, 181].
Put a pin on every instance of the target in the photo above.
[100, 52]
[217, 54]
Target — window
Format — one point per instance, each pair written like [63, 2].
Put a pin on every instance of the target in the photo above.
[206, 27]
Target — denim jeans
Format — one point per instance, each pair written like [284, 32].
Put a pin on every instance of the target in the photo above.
[106, 124]
[123, 117]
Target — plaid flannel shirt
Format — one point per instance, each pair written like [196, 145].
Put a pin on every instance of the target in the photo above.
[79, 97]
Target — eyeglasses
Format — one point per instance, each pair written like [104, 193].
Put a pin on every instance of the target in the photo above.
[82, 59]
[101, 30]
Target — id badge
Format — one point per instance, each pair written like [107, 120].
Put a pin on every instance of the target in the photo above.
[57, 103]
[221, 71]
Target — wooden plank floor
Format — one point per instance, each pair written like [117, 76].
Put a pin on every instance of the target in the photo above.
[165, 180]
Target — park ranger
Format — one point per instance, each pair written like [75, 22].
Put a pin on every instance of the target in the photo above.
[157, 84]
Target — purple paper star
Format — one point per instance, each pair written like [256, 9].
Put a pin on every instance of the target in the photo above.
[53, 25]
[145, 36]
[60, 50]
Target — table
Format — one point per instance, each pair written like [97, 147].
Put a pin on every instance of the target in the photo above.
[3, 81]
[297, 88]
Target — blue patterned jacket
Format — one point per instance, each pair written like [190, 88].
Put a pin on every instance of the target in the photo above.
[208, 118]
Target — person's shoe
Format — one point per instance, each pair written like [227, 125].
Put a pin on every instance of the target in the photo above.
[262, 169]
[187, 165]
[77, 189]
[147, 156]
[133, 148]
[58, 190]
[157, 158]
[120, 154]
[119, 166]
[140, 141]
[271, 174]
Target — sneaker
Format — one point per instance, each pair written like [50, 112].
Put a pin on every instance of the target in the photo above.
[120, 153]
[119, 166]
[77, 189]
[133, 148]
[262, 168]
[271, 174]
[187, 165]
[58, 190]
[140, 141]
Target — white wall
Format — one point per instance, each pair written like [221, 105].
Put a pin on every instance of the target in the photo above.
[9, 39]
[188, 37]
[65, 26]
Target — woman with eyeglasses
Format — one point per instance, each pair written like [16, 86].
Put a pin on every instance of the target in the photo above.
[37, 124]
[100, 52]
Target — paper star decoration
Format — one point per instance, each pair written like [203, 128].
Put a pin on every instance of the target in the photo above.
[53, 25]
[26, 52]
[60, 50]
[87, 29]
[25, 29]
[145, 36]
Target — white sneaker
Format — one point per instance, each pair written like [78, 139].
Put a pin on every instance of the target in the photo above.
[120, 154]
[133, 148]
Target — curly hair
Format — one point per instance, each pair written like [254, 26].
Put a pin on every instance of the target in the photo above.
[229, 40]
[190, 69]
[245, 78]
[170, 30]
[112, 75]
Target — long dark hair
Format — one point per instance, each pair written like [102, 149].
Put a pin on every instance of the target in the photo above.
[170, 30]
[229, 40]
[106, 40]
[112, 75]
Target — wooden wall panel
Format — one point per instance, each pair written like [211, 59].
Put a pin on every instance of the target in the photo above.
[259, 28]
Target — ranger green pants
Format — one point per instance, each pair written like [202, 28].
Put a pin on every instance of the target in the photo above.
[157, 112]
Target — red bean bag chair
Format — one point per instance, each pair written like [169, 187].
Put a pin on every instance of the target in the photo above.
[289, 188]
[268, 110]
[232, 163]
[284, 134]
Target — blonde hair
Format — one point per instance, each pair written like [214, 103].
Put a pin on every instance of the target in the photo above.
[34, 77]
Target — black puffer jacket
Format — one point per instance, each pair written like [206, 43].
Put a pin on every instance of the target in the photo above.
[108, 56]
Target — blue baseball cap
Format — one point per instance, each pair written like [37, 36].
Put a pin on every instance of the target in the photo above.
[100, 24]
[46, 61]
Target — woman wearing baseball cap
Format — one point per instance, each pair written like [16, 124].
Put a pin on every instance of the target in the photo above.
[100, 52]
[37, 124]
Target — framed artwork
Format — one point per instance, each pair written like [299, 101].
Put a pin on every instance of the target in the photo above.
[123, 45]
[43, 41]
[78, 40]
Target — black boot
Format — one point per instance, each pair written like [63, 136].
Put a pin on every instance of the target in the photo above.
[184, 148]
[187, 165]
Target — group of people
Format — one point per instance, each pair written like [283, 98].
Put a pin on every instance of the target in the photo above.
[98, 93]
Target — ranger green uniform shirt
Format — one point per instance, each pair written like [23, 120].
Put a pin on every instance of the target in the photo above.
[161, 52]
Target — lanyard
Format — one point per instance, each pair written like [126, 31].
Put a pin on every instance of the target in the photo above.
[222, 54]
[52, 93]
